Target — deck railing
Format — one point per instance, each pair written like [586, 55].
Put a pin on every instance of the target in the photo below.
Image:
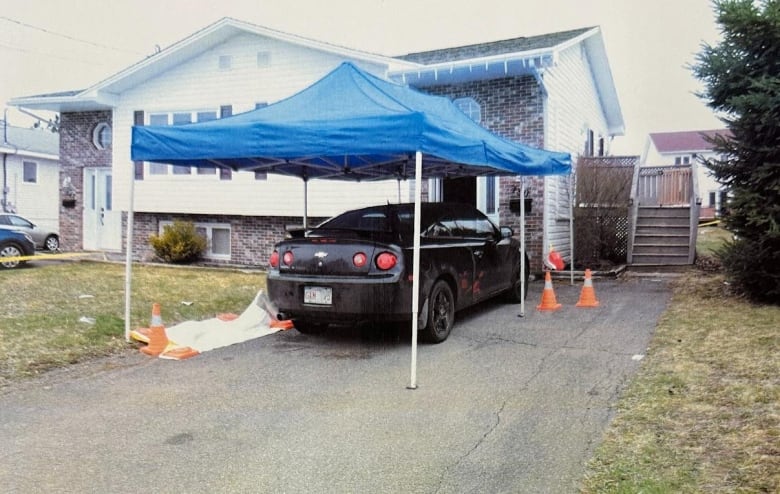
[665, 186]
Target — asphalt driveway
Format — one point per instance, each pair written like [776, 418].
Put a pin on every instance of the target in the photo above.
[506, 404]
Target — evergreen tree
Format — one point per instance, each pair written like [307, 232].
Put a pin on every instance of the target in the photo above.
[741, 76]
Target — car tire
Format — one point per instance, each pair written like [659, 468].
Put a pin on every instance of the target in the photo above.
[516, 294]
[441, 313]
[308, 327]
[10, 250]
[52, 243]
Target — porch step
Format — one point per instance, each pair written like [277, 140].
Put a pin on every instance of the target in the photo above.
[663, 230]
[653, 238]
[661, 249]
[663, 212]
[655, 258]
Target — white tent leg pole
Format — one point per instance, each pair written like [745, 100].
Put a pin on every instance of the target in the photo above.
[571, 226]
[416, 264]
[129, 256]
[305, 204]
[522, 246]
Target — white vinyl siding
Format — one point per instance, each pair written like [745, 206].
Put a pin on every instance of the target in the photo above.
[38, 201]
[198, 84]
[573, 111]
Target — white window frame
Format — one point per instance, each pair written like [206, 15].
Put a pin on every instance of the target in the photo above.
[154, 171]
[98, 134]
[483, 201]
[209, 227]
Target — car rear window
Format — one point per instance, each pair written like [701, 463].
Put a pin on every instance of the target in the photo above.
[371, 220]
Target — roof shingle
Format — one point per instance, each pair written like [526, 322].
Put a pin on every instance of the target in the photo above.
[691, 140]
[502, 47]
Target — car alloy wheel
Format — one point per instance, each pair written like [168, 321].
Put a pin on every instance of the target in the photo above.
[441, 313]
[10, 251]
[52, 243]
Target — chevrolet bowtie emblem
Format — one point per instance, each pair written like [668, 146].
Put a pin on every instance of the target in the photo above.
[320, 255]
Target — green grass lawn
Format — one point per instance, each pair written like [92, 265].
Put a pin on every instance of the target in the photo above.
[710, 238]
[54, 315]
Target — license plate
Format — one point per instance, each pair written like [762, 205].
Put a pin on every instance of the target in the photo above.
[319, 295]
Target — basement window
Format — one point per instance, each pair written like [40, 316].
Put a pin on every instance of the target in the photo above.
[217, 237]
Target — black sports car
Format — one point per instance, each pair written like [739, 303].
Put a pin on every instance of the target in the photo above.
[357, 267]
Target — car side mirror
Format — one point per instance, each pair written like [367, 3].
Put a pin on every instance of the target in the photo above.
[507, 232]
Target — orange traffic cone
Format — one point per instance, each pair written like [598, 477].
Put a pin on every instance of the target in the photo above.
[548, 295]
[588, 294]
[158, 339]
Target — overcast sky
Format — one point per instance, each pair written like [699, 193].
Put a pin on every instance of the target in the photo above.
[54, 45]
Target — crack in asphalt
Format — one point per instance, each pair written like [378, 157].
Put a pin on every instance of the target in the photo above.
[492, 428]
[493, 339]
[475, 447]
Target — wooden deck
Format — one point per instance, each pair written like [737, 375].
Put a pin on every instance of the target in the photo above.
[664, 216]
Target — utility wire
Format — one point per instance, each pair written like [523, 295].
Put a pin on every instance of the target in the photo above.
[51, 55]
[99, 45]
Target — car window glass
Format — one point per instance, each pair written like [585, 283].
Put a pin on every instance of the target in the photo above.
[484, 227]
[473, 224]
[4, 220]
[438, 230]
[365, 219]
[17, 221]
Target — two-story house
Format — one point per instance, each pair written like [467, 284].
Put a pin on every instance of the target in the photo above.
[552, 91]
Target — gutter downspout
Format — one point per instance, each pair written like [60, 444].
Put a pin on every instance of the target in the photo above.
[6, 145]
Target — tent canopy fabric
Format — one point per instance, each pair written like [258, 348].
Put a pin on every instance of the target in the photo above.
[350, 125]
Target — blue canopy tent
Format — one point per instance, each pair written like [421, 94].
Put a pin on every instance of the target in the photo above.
[350, 125]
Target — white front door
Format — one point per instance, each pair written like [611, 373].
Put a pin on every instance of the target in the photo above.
[487, 197]
[102, 225]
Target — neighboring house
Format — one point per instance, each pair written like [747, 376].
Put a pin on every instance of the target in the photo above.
[689, 148]
[553, 91]
[30, 175]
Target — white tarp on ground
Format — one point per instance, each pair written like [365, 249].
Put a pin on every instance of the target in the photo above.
[209, 334]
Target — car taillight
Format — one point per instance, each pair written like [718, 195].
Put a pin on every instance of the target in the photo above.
[359, 260]
[287, 258]
[274, 261]
[386, 260]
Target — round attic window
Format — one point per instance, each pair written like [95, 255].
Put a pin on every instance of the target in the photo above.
[101, 136]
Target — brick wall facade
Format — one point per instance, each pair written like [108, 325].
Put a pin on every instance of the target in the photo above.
[251, 237]
[76, 153]
[512, 107]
